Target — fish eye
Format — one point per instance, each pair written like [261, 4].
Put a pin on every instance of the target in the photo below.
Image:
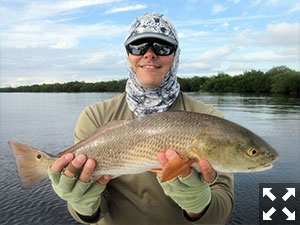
[252, 152]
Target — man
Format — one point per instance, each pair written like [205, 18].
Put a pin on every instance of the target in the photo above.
[153, 57]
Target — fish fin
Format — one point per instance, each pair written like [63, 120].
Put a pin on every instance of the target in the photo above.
[175, 167]
[156, 170]
[109, 126]
[32, 164]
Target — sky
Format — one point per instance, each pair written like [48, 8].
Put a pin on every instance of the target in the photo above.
[53, 41]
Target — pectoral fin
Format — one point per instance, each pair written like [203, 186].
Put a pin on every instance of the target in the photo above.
[175, 167]
[156, 170]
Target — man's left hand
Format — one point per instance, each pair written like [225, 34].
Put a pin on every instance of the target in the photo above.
[188, 190]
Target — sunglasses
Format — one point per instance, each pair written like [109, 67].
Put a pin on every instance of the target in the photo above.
[159, 48]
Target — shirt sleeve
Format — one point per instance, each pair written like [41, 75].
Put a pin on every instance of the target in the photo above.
[222, 201]
[87, 124]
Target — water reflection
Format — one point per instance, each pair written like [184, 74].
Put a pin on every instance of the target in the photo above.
[274, 104]
[47, 121]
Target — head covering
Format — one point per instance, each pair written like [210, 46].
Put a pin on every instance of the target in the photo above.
[152, 25]
[141, 100]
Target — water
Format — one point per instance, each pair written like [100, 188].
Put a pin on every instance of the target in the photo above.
[47, 121]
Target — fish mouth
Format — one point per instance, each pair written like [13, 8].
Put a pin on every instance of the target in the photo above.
[262, 168]
[267, 167]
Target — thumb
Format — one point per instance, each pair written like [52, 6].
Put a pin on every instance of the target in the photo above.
[208, 173]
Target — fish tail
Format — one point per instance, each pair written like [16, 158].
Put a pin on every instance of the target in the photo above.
[32, 164]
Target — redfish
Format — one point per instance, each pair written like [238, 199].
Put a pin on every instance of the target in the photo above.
[131, 147]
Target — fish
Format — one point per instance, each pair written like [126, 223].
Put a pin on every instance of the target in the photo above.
[131, 146]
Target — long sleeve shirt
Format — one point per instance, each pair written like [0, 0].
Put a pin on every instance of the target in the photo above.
[139, 199]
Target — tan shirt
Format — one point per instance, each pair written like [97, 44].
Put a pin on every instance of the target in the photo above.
[139, 199]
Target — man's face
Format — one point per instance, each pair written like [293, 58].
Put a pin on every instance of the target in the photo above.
[150, 68]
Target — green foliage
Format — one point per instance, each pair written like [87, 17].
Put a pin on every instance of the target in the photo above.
[192, 84]
[286, 82]
[277, 80]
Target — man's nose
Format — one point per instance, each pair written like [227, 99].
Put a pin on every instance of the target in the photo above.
[150, 53]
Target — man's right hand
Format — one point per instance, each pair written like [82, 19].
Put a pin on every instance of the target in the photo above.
[76, 187]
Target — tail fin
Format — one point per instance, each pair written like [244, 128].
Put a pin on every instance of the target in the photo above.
[32, 164]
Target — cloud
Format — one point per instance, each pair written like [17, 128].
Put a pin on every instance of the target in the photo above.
[193, 1]
[242, 39]
[45, 9]
[282, 34]
[20, 11]
[291, 52]
[234, 1]
[223, 20]
[197, 66]
[126, 8]
[218, 8]
[210, 59]
[20, 81]
[254, 3]
[295, 8]
[240, 66]
[264, 55]
[226, 24]
[272, 2]
[216, 53]
[275, 35]
[188, 33]
[47, 34]
[40, 65]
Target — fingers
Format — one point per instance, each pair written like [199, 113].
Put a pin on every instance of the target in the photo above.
[80, 163]
[104, 179]
[60, 163]
[164, 157]
[75, 166]
[208, 173]
[87, 171]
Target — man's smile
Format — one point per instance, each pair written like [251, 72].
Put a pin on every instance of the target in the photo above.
[150, 66]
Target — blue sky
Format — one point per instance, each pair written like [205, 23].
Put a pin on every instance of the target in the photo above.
[60, 41]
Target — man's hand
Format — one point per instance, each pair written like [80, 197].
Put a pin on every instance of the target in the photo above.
[208, 173]
[198, 193]
[74, 183]
[75, 166]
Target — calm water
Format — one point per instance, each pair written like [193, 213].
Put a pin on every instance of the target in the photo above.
[47, 121]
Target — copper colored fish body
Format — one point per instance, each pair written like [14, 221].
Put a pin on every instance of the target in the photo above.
[131, 147]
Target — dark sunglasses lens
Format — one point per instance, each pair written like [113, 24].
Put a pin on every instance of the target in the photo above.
[138, 49]
[163, 49]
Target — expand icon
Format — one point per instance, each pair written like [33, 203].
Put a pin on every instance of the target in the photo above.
[290, 192]
[279, 203]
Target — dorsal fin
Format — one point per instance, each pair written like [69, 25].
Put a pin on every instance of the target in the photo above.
[109, 126]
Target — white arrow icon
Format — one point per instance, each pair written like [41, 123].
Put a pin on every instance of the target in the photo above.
[290, 192]
[291, 216]
[267, 191]
[267, 215]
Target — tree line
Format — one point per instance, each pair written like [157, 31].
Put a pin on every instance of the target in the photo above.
[277, 80]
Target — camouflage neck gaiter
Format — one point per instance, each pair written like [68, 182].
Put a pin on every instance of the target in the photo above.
[141, 100]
